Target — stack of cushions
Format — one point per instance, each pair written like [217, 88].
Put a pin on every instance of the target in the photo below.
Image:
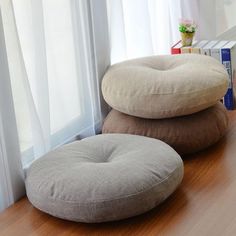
[115, 176]
[171, 98]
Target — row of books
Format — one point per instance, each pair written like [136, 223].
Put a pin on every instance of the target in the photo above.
[223, 51]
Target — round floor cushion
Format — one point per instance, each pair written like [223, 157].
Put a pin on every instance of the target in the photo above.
[104, 178]
[165, 86]
[187, 134]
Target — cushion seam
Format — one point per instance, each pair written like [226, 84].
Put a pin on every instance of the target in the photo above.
[165, 93]
[115, 199]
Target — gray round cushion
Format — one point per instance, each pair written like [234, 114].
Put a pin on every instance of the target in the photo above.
[186, 134]
[104, 178]
[165, 86]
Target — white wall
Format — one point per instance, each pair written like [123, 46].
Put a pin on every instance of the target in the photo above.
[215, 18]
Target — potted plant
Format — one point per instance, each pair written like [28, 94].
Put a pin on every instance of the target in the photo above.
[187, 29]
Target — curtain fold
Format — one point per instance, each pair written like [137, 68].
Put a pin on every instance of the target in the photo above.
[11, 172]
[141, 28]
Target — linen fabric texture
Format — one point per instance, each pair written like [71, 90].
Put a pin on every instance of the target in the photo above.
[104, 178]
[186, 134]
[165, 86]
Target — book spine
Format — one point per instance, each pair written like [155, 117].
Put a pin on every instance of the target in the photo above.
[215, 53]
[185, 50]
[228, 99]
[226, 61]
[175, 51]
[205, 51]
[195, 50]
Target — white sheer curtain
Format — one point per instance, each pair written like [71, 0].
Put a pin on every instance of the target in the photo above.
[11, 172]
[147, 27]
[54, 94]
[53, 78]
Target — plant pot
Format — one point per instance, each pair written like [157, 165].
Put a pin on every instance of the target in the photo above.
[187, 39]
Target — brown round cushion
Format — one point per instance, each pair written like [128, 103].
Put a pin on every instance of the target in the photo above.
[186, 134]
[165, 86]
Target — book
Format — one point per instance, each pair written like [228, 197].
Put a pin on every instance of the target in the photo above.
[216, 50]
[228, 58]
[176, 48]
[196, 48]
[188, 49]
[185, 50]
[206, 50]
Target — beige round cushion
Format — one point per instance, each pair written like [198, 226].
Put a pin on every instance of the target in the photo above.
[104, 178]
[165, 86]
[187, 134]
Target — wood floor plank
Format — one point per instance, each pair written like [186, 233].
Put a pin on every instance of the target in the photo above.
[204, 204]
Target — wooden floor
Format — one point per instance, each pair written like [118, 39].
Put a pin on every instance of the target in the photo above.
[204, 205]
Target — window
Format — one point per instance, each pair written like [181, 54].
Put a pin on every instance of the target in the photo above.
[53, 82]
